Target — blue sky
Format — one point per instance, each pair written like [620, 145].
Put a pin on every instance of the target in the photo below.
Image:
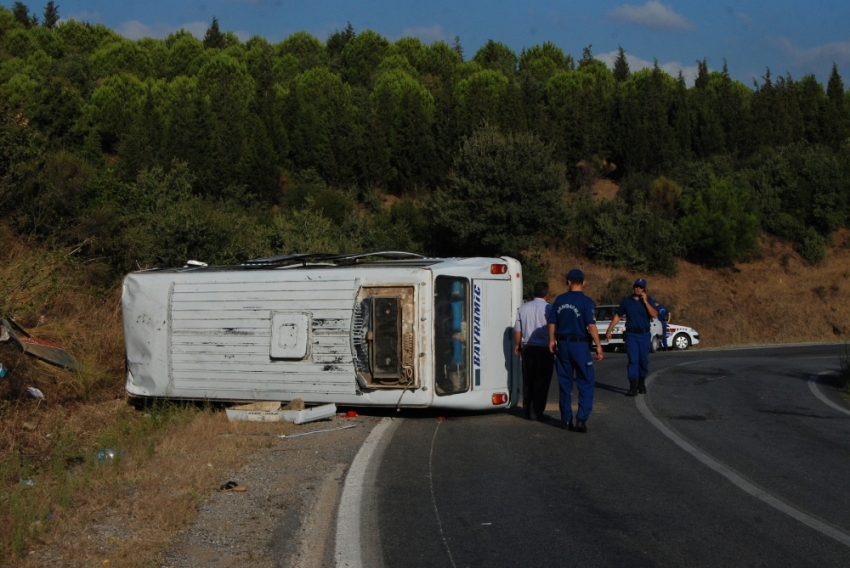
[794, 37]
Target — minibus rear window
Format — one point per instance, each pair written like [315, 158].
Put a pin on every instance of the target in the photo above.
[451, 335]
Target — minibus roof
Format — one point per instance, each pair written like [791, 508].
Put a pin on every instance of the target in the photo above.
[313, 261]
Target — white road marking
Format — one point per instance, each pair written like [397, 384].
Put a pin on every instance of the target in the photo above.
[348, 551]
[813, 386]
[734, 476]
[434, 498]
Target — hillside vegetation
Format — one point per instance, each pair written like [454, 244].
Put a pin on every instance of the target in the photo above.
[154, 151]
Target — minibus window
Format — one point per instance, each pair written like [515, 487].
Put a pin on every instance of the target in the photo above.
[451, 334]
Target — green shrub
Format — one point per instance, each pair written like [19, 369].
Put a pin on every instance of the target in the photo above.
[812, 247]
[718, 227]
[505, 193]
[615, 290]
[637, 240]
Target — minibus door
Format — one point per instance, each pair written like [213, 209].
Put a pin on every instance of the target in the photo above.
[492, 345]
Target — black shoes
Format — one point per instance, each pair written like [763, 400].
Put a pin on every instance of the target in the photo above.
[641, 386]
[633, 388]
[581, 426]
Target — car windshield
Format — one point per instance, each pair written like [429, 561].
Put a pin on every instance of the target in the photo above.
[605, 313]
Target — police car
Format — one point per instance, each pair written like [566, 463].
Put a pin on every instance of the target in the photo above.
[604, 315]
[680, 337]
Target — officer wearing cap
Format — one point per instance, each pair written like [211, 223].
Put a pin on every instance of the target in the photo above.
[571, 325]
[638, 311]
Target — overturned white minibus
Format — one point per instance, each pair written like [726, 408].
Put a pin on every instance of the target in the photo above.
[369, 329]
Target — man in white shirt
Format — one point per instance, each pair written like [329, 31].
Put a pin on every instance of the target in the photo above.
[531, 340]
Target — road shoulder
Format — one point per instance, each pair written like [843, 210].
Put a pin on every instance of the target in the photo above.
[287, 515]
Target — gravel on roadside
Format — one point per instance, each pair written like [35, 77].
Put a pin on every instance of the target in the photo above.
[286, 516]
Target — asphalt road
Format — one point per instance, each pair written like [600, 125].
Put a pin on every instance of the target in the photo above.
[729, 460]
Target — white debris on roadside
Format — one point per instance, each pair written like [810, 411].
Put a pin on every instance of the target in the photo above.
[241, 413]
[297, 434]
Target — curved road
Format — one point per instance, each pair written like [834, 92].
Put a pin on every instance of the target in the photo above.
[733, 458]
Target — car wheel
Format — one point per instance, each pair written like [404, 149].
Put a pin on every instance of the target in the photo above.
[655, 344]
[681, 342]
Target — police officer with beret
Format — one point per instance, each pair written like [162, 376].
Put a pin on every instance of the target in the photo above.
[638, 311]
[571, 326]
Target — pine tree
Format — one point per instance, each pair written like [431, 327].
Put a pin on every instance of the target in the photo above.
[586, 56]
[457, 47]
[140, 147]
[338, 40]
[51, 15]
[621, 66]
[22, 14]
[701, 82]
[837, 120]
[213, 39]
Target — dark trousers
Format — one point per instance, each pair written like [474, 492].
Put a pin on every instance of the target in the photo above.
[537, 365]
[574, 360]
[637, 350]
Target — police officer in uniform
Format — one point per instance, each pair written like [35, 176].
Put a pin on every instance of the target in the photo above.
[571, 325]
[638, 311]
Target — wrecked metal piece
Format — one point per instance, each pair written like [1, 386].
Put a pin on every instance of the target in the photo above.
[346, 427]
[294, 416]
[35, 393]
[40, 348]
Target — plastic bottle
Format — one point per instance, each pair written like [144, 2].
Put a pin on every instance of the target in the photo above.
[106, 454]
[2, 371]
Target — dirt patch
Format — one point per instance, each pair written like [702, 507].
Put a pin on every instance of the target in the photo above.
[604, 189]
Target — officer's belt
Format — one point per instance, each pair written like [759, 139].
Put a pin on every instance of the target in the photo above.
[573, 338]
[637, 330]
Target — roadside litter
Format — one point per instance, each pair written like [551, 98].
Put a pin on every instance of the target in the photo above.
[233, 486]
[109, 454]
[271, 412]
[27, 482]
[2, 371]
[296, 435]
[38, 348]
[35, 393]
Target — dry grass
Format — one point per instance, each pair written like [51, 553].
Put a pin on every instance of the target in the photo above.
[127, 510]
[776, 298]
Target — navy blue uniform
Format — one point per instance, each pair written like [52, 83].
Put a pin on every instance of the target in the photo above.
[637, 336]
[571, 313]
